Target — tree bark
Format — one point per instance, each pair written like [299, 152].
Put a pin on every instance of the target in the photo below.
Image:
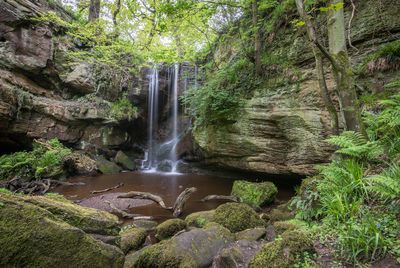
[220, 197]
[94, 10]
[257, 41]
[312, 36]
[344, 76]
[145, 195]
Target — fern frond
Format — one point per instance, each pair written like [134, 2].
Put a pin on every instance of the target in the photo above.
[386, 184]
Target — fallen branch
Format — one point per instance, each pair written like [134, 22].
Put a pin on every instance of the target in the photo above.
[65, 183]
[145, 195]
[127, 215]
[108, 189]
[181, 200]
[220, 197]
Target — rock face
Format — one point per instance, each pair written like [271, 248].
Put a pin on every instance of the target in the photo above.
[45, 94]
[48, 231]
[195, 248]
[281, 127]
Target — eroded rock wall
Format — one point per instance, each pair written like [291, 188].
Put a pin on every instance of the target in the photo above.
[282, 127]
[43, 94]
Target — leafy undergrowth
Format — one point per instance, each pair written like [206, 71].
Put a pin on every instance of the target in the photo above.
[48, 159]
[353, 205]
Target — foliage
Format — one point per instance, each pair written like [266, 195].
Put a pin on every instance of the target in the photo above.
[386, 58]
[218, 101]
[123, 109]
[45, 160]
[355, 145]
[387, 184]
[343, 189]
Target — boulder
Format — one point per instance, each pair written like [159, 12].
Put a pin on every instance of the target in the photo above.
[237, 217]
[251, 234]
[254, 194]
[201, 218]
[169, 228]
[52, 232]
[124, 161]
[237, 254]
[107, 167]
[281, 226]
[195, 248]
[281, 213]
[132, 239]
[283, 253]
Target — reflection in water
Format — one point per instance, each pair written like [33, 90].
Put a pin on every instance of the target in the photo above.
[167, 185]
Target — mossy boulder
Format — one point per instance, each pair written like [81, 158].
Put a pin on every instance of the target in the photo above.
[283, 253]
[132, 239]
[195, 248]
[169, 228]
[201, 218]
[107, 167]
[251, 234]
[281, 213]
[282, 226]
[254, 194]
[237, 217]
[124, 161]
[35, 235]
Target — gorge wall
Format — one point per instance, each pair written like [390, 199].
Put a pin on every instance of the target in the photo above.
[44, 93]
[282, 127]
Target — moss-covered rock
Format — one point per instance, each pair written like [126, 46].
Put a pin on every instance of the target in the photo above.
[107, 167]
[254, 194]
[237, 217]
[132, 239]
[37, 236]
[281, 213]
[282, 226]
[251, 234]
[195, 248]
[124, 161]
[170, 227]
[201, 218]
[283, 253]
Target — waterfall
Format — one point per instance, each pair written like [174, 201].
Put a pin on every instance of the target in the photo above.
[152, 118]
[174, 138]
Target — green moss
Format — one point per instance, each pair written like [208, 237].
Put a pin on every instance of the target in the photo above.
[156, 256]
[255, 194]
[283, 253]
[4, 191]
[200, 219]
[132, 239]
[280, 215]
[170, 227]
[281, 226]
[237, 217]
[32, 236]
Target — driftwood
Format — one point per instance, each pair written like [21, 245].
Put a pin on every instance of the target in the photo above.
[108, 189]
[220, 197]
[181, 200]
[65, 183]
[18, 185]
[126, 215]
[145, 195]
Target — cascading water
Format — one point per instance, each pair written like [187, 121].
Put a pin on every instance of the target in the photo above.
[152, 119]
[164, 92]
[174, 138]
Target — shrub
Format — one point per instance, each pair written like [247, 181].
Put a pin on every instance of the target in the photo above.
[123, 109]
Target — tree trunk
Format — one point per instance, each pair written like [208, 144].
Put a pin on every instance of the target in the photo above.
[114, 17]
[257, 41]
[344, 76]
[94, 10]
[319, 68]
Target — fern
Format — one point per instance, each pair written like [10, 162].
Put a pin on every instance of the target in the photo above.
[355, 145]
[386, 184]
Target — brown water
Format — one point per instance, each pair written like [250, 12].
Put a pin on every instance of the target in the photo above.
[166, 185]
